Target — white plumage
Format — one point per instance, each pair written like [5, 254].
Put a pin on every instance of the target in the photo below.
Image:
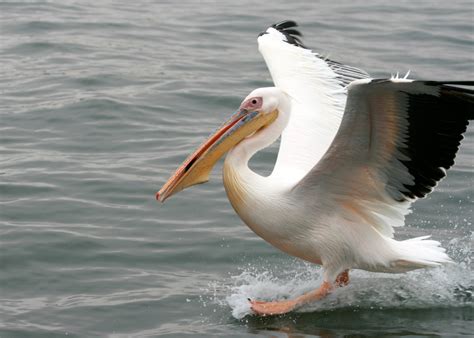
[317, 98]
[354, 154]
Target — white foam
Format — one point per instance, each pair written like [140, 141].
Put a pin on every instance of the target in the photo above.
[266, 285]
[449, 285]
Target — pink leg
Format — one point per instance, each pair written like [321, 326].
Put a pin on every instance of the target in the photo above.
[284, 306]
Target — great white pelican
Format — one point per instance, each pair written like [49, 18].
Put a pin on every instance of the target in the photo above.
[355, 152]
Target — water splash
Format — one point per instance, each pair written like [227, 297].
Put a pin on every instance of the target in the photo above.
[448, 286]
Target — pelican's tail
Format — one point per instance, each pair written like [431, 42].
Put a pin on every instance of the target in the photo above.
[416, 253]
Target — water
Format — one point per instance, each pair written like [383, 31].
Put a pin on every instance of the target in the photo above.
[99, 103]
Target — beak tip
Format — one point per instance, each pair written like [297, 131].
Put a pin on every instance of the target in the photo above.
[159, 197]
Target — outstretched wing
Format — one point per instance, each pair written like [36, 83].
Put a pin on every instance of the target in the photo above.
[396, 141]
[317, 87]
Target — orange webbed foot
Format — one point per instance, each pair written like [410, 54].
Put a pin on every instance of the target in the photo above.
[272, 308]
[285, 306]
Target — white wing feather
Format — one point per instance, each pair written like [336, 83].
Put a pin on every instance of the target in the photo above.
[317, 89]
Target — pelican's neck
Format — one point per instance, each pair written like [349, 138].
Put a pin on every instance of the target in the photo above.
[244, 186]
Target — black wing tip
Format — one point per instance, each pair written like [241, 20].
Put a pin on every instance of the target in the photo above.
[287, 28]
[460, 92]
[454, 83]
[436, 124]
[285, 24]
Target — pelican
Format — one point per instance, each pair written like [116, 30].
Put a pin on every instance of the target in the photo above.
[355, 153]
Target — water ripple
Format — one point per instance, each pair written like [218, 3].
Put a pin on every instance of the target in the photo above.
[100, 101]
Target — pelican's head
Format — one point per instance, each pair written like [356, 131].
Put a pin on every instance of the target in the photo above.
[258, 110]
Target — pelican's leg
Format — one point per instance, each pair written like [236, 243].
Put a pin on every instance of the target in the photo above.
[284, 306]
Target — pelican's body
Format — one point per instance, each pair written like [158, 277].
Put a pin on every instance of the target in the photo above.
[276, 210]
[271, 212]
[354, 154]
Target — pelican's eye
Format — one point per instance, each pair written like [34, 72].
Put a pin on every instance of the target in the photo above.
[254, 103]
